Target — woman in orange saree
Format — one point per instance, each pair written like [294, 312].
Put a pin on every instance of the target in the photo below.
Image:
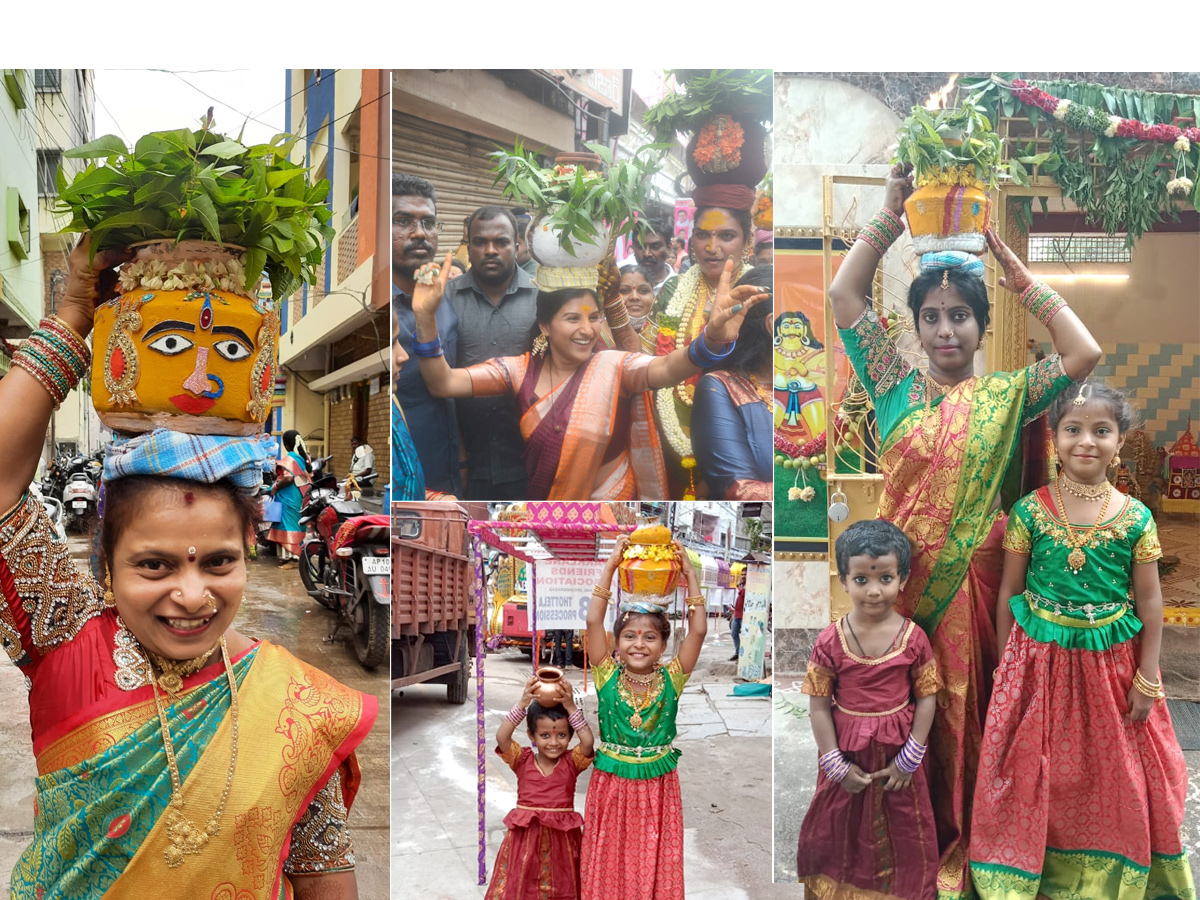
[948, 438]
[586, 416]
[141, 694]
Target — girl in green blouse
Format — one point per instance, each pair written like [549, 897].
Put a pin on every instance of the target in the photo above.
[1081, 782]
[633, 821]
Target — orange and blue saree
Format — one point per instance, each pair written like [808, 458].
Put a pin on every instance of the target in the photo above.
[102, 808]
[597, 422]
[944, 463]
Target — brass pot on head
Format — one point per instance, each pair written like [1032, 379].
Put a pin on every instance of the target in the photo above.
[547, 691]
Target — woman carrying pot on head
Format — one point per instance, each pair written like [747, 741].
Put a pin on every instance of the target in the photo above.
[144, 701]
[722, 236]
[585, 415]
[948, 438]
[290, 488]
[731, 412]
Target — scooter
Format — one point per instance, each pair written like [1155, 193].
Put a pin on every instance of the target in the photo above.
[345, 565]
[54, 511]
[79, 502]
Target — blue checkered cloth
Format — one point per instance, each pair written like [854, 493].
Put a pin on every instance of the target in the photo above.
[952, 259]
[196, 457]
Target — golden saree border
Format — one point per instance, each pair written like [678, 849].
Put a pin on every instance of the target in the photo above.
[95, 737]
[978, 416]
[296, 726]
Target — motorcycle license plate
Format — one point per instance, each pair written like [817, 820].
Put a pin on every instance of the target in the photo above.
[79, 504]
[377, 565]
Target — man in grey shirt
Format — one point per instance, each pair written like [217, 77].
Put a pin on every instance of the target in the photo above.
[496, 304]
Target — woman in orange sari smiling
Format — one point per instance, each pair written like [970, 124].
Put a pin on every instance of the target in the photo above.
[585, 416]
[948, 438]
[176, 757]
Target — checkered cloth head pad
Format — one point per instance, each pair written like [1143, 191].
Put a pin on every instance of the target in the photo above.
[196, 457]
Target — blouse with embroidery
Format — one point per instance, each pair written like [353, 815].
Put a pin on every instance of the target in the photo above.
[1093, 607]
[73, 651]
[897, 387]
[872, 696]
[645, 749]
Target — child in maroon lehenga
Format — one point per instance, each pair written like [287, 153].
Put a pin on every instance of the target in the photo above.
[539, 858]
[869, 833]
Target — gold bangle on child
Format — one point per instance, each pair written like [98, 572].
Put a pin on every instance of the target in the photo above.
[694, 602]
[1148, 688]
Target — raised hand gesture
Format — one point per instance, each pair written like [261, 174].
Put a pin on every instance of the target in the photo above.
[430, 286]
[730, 307]
[1016, 277]
[92, 282]
[897, 188]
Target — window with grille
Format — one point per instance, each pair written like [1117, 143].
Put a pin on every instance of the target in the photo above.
[1078, 248]
[47, 167]
[47, 79]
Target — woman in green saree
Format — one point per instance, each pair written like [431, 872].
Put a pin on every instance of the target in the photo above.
[141, 693]
[947, 440]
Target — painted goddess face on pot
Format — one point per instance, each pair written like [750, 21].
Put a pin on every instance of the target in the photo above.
[184, 353]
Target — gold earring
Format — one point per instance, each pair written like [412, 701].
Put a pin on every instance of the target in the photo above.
[109, 599]
[540, 343]
[1116, 461]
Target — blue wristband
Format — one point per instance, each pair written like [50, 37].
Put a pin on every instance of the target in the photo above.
[428, 348]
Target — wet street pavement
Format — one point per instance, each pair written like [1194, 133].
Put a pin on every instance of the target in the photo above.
[725, 774]
[276, 609]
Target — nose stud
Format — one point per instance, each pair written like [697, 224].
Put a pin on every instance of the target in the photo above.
[177, 594]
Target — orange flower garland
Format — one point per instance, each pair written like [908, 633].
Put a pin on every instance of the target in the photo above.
[721, 137]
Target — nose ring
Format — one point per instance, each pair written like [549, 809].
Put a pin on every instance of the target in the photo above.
[178, 594]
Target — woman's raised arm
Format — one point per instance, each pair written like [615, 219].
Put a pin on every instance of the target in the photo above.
[724, 322]
[851, 286]
[1079, 351]
[25, 405]
[441, 380]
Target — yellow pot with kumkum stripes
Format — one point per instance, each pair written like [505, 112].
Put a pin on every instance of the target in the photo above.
[948, 217]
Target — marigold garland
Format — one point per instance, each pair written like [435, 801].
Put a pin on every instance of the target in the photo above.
[1097, 121]
[725, 140]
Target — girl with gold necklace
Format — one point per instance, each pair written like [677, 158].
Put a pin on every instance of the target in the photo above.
[1077, 721]
[144, 701]
[633, 798]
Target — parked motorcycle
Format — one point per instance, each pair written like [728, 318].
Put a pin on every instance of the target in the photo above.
[53, 508]
[345, 564]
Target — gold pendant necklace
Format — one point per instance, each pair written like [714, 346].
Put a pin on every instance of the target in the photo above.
[639, 701]
[184, 836]
[1076, 540]
[173, 673]
[1089, 492]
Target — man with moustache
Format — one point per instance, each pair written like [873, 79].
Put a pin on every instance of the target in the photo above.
[431, 421]
[651, 247]
[496, 306]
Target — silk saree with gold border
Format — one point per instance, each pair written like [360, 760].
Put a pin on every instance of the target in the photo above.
[944, 461]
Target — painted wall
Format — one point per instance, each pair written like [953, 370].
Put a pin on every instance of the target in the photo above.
[22, 278]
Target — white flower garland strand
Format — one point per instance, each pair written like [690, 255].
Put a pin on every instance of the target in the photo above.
[202, 275]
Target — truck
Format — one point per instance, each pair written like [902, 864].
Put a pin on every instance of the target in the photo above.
[433, 612]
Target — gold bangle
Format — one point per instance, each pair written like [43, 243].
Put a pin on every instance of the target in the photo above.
[602, 592]
[694, 602]
[67, 326]
[1148, 688]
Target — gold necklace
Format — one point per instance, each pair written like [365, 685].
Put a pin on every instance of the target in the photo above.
[634, 678]
[1089, 492]
[173, 672]
[639, 701]
[930, 385]
[765, 394]
[185, 838]
[1077, 539]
